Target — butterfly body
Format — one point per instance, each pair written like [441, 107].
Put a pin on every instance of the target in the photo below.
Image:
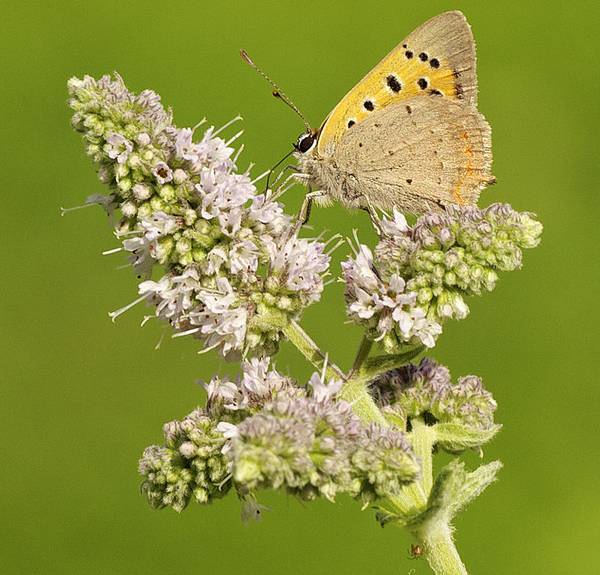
[409, 134]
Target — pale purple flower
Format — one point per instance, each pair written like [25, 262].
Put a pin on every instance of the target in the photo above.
[221, 321]
[269, 215]
[360, 272]
[162, 172]
[243, 256]
[173, 295]
[142, 254]
[322, 391]
[229, 430]
[184, 147]
[213, 150]
[223, 191]
[300, 263]
[385, 306]
[260, 381]
[398, 225]
[118, 147]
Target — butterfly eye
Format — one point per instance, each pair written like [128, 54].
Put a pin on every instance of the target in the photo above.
[305, 143]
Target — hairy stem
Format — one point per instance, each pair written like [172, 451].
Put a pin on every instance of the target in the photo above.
[435, 537]
[356, 393]
[361, 355]
[310, 350]
[439, 549]
[422, 438]
[373, 366]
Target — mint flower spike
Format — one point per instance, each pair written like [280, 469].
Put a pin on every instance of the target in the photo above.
[445, 257]
[320, 448]
[460, 415]
[266, 432]
[234, 273]
[191, 465]
[223, 264]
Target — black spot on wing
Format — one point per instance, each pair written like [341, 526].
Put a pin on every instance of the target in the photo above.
[393, 83]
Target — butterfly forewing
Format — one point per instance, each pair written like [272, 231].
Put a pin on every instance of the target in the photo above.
[437, 59]
[418, 154]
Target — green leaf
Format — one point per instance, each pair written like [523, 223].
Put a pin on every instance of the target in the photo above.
[454, 488]
[456, 437]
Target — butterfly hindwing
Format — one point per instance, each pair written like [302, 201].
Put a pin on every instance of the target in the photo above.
[437, 59]
[418, 154]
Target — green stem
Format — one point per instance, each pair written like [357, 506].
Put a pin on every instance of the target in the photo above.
[361, 355]
[310, 350]
[439, 549]
[434, 536]
[356, 393]
[422, 438]
[373, 366]
[413, 498]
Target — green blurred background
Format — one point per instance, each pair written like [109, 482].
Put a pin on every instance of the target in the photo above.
[81, 397]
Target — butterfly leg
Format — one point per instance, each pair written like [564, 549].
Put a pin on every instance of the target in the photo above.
[272, 170]
[276, 183]
[375, 219]
[304, 213]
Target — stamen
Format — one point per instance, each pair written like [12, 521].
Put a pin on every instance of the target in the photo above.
[159, 342]
[113, 251]
[237, 154]
[225, 126]
[234, 138]
[115, 314]
[210, 348]
[258, 178]
[198, 124]
[219, 485]
[187, 332]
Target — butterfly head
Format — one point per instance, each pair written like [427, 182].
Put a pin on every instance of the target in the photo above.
[306, 141]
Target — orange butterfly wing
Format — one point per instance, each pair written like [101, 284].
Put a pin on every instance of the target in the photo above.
[438, 58]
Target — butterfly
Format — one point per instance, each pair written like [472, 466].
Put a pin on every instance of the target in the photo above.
[408, 135]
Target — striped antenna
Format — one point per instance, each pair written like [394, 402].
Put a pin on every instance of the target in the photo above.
[277, 92]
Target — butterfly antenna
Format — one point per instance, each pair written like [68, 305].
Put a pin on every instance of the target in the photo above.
[277, 92]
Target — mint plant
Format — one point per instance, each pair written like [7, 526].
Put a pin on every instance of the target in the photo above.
[224, 264]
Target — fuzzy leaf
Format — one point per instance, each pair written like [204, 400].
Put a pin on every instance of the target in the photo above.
[454, 488]
[456, 437]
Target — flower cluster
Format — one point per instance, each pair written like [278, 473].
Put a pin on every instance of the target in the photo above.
[264, 431]
[314, 448]
[387, 310]
[234, 271]
[463, 413]
[191, 464]
[420, 275]
[223, 263]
